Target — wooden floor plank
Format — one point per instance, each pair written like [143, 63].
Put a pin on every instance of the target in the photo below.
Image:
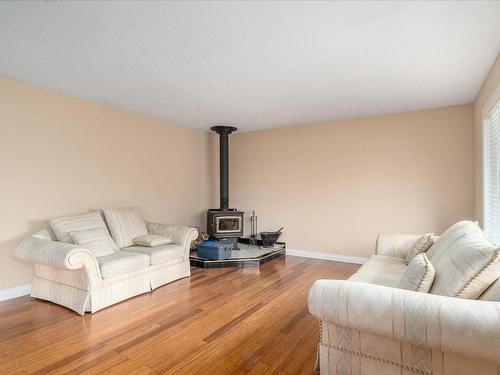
[218, 321]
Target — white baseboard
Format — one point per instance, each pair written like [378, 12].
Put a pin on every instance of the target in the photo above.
[18, 291]
[326, 256]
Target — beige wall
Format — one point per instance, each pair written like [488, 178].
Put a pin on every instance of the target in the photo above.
[63, 155]
[491, 83]
[335, 186]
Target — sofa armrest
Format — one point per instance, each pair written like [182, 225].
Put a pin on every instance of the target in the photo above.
[395, 245]
[466, 327]
[59, 255]
[180, 234]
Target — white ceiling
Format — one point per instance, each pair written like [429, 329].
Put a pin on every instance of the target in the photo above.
[254, 64]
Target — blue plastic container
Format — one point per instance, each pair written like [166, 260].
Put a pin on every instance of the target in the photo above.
[214, 250]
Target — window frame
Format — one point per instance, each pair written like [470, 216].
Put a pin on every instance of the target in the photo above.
[490, 105]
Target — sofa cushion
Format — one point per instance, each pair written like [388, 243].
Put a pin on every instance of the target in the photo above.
[419, 275]
[449, 237]
[97, 240]
[121, 263]
[62, 226]
[381, 270]
[125, 224]
[421, 246]
[158, 254]
[492, 293]
[468, 266]
[151, 240]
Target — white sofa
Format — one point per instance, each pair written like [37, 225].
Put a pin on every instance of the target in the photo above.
[368, 326]
[72, 276]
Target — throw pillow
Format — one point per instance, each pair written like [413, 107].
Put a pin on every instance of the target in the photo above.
[125, 224]
[421, 246]
[97, 240]
[419, 274]
[62, 226]
[151, 240]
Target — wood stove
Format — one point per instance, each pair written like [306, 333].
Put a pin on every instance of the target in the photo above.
[224, 223]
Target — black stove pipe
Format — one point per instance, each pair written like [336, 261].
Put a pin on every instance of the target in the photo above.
[224, 132]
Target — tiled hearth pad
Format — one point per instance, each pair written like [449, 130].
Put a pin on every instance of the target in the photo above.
[247, 256]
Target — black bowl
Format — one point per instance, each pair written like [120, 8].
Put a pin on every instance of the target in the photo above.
[269, 238]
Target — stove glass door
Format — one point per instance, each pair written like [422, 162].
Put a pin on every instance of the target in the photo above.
[228, 224]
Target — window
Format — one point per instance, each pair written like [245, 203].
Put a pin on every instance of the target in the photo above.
[491, 170]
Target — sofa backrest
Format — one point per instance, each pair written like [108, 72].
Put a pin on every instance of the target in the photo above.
[395, 245]
[45, 234]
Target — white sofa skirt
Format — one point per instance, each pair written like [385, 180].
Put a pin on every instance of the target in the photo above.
[64, 287]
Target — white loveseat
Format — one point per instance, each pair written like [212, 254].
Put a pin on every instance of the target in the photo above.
[74, 277]
[368, 326]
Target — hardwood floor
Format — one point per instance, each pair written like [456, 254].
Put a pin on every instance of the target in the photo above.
[218, 321]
